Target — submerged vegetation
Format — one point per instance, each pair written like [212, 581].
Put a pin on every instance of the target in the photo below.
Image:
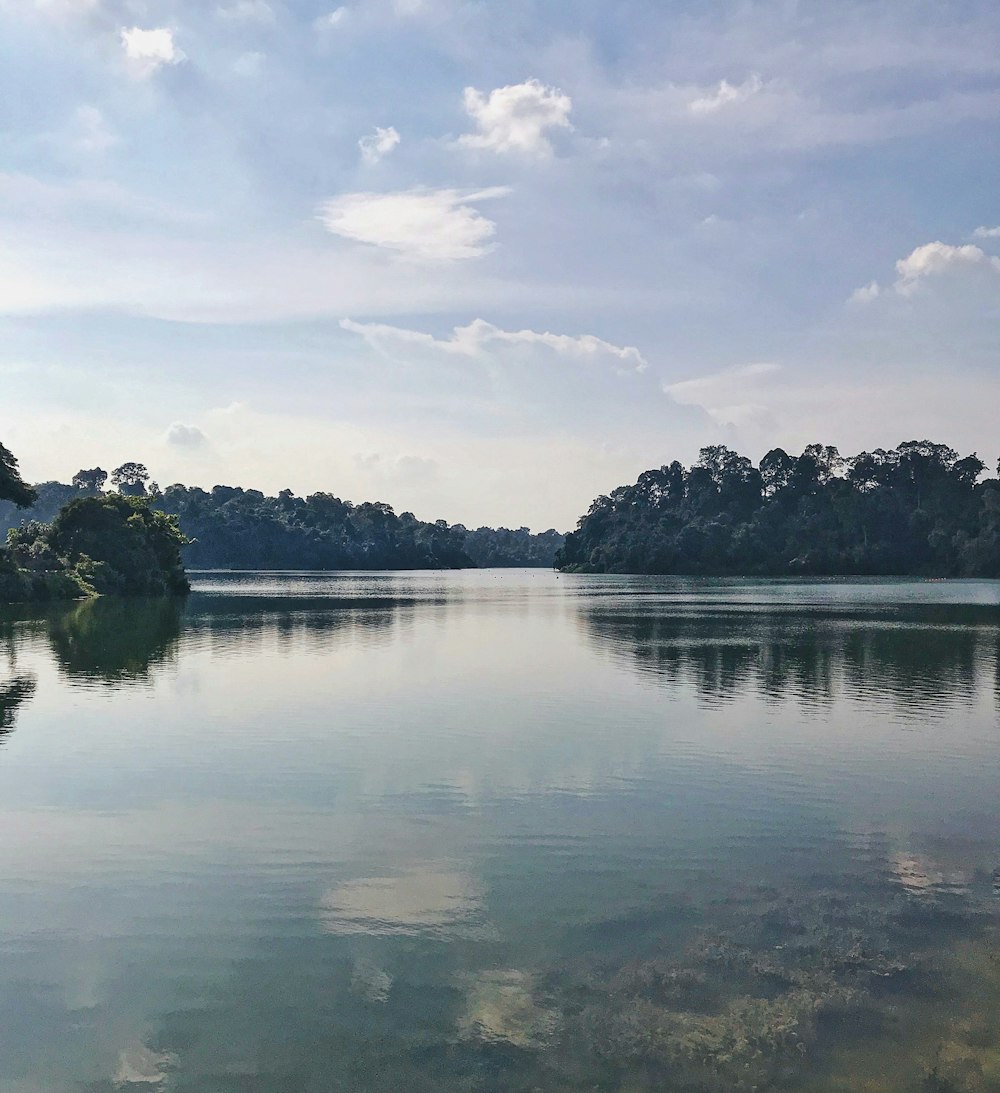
[916, 509]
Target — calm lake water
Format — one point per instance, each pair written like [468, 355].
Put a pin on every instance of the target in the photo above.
[502, 831]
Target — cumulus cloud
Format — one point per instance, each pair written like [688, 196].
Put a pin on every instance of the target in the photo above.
[424, 225]
[185, 436]
[148, 50]
[480, 337]
[931, 261]
[376, 146]
[727, 397]
[986, 233]
[934, 259]
[726, 94]
[247, 11]
[516, 118]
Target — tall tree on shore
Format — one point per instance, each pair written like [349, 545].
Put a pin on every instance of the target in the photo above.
[12, 485]
[130, 479]
[90, 480]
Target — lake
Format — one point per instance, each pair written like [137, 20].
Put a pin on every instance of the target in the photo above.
[502, 830]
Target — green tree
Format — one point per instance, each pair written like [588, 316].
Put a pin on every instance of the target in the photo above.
[130, 479]
[12, 485]
[91, 481]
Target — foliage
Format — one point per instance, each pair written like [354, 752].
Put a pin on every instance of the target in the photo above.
[95, 546]
[12, 486]
[243, 529]
[917, 508]
[120, 545]
[496, 548]
[90, 480]
[234, 528]
[130, 479]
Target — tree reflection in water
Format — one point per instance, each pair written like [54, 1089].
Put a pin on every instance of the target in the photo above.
[925, 660]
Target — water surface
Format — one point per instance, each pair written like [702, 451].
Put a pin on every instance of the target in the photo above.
[502, 830]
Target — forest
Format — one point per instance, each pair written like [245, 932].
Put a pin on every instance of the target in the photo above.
[229, 527]
[915, 509]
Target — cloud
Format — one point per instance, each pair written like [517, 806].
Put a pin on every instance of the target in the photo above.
[726, 396]
[331, 19]
[726, 94]
[480, 337]
[148, 50]
[866, 293]
[376, 146]
[425, 225]
[935, 259]
[932, 260]
[986, 233]
[247, 11]
[516, 118]
[185, 436]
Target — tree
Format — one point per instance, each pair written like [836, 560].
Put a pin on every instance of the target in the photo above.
[12, 485]
[91, 481]
[776, 470]
[130, 479]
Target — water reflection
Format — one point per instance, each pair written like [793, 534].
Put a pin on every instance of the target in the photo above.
[926, 660]
[13, 695]
[114, 641]
[418, 834]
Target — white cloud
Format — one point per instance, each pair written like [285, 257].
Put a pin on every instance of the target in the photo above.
[480, 337]
[185, 436]
[727, 397]
[986, 233]
[426, 225]
[726, 94]
[248, 11]
[332, 19]
[148, 50]
[517, 117]
[931, 260]
[934, 259]
[376, 146]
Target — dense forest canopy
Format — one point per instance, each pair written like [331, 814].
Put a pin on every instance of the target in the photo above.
[914, 509]
[234, 528]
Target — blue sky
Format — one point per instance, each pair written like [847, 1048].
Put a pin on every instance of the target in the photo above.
[486, 260]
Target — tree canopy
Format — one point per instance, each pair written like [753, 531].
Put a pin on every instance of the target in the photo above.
[12, 486]
[914, 509]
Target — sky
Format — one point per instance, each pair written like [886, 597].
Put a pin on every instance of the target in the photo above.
[486, 260]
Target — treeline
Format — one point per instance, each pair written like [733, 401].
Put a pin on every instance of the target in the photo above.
[235, 528]
[914, 509]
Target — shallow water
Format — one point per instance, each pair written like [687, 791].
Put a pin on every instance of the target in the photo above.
[502, 830]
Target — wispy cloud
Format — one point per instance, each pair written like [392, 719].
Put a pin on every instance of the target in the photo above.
[425, 225]
[376, 146]
[726, 94]
[480, 336]
[730, 398]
